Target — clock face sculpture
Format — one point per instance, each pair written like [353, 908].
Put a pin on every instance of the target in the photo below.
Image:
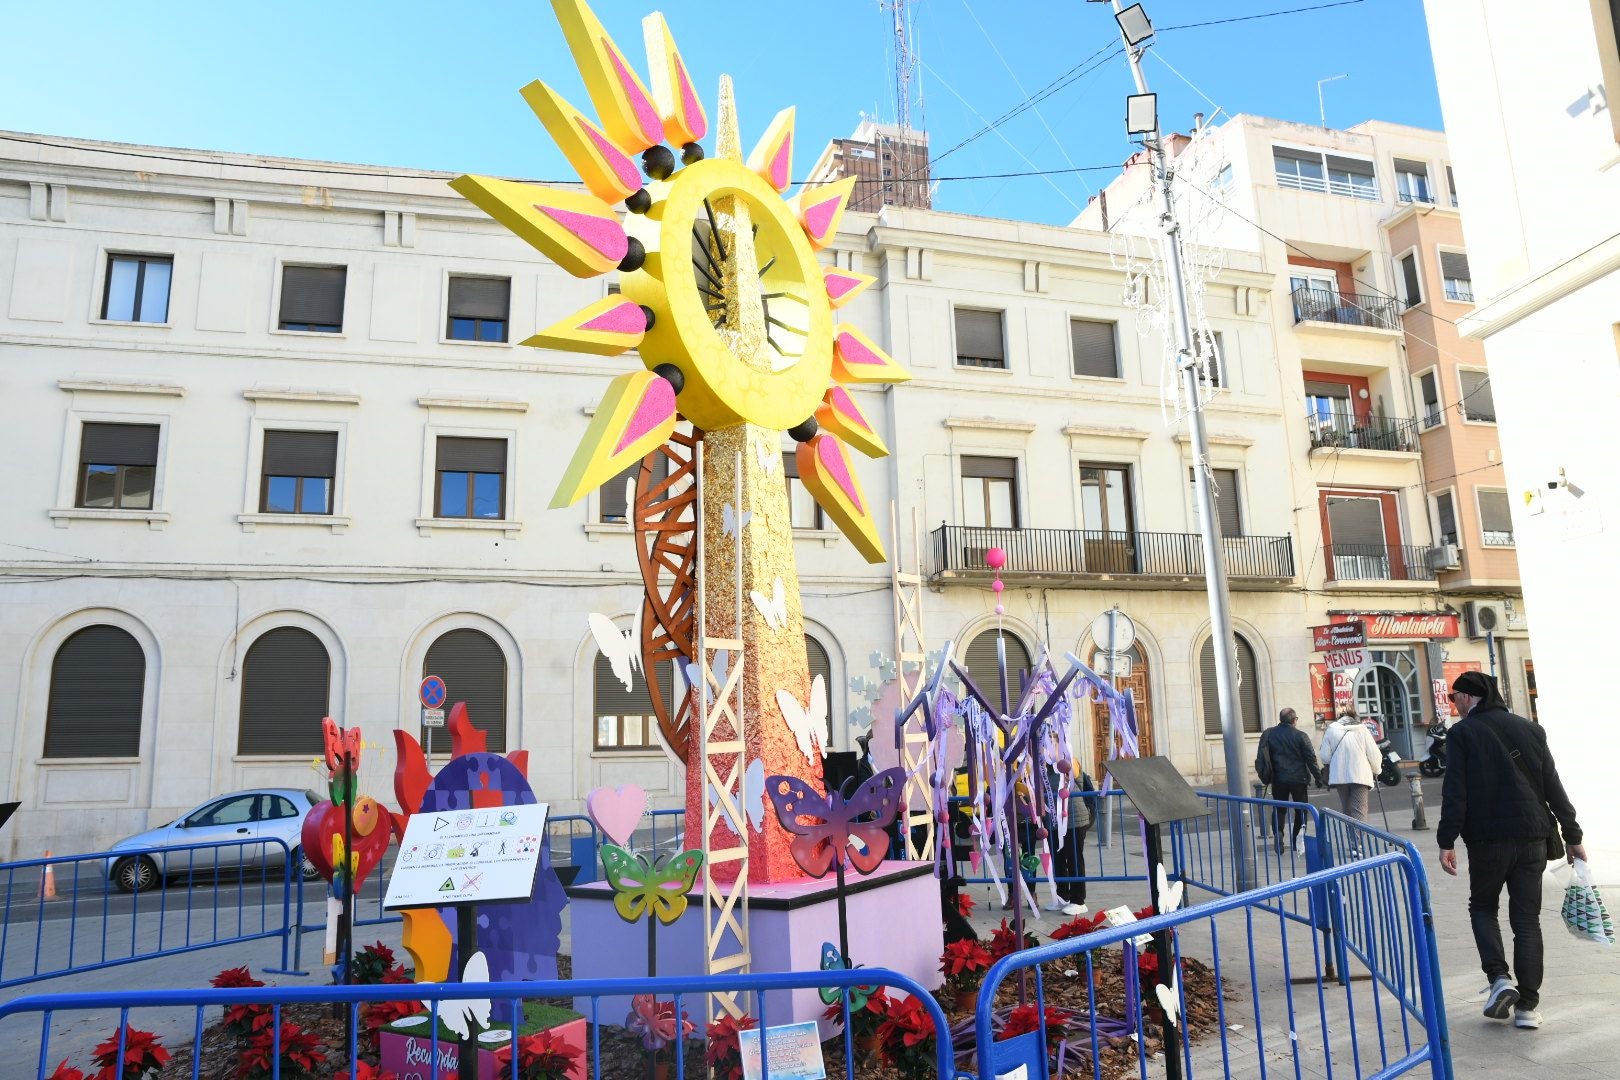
[722, 292]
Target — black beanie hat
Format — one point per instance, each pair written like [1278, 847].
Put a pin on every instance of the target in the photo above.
[1473, 683]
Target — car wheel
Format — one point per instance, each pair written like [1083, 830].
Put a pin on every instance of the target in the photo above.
[307, 870]
[135, 875]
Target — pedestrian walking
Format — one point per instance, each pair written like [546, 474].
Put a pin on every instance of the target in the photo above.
[1502, 795]
[1071, 856]
[1350, 754]
[1287, 762]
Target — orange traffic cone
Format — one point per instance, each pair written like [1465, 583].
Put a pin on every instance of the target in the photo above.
[47, 884]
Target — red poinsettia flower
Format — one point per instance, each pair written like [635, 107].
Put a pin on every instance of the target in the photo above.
[297, 1051]
[233, 978]
[63, 1072]
[1004, 941]
[1147, 967]
[964, 963]
[964, 904]
[1080, 924]
[143, 1053]
[364, 1071]
[1026, 1018]
[906, 1036]
[724, 1053]
[545, 1055]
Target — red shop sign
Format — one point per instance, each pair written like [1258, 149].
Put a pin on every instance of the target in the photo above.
[1415, 624]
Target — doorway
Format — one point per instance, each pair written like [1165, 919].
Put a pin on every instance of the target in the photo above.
[1102, 742]
[1387, 692]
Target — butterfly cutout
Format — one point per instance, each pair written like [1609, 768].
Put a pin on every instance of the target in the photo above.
[833, 832]
[720, 663]
[769, 456]
[730, 522]
[640, 886]
[1169, 892]
[833, 960]
[752, 798]
[1170, 998]
[773, 608]
[809, 724]
[622, 648]
[462, 1014]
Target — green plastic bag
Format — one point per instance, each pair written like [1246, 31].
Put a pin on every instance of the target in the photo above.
[1584, 914]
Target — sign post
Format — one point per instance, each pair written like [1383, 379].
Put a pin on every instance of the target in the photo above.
[1116, 628]
[432, 694]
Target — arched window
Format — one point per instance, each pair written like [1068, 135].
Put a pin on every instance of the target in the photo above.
[1248, 687]
[982, 665]
[821, 665]
[624, 718]
[474, 670]
[97, 680]
[286, 689]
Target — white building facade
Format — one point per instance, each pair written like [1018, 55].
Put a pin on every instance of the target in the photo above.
[281, 458]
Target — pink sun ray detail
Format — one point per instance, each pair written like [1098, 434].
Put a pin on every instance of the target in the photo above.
[779, 164]
[626, 318]
[840, 284]
[657, 406]
[832, 459]
[854, 352]
[622, 167]
[847, 408]
[652, 129]
[696, 122]
[819, 217]
[605, 235]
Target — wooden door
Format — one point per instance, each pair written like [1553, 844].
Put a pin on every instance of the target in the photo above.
[1137, 684]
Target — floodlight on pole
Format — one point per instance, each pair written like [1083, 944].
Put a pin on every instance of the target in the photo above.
[1142, 114]
[1135, 25]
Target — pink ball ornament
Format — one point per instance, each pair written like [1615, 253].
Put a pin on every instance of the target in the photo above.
[995, 558]
[1001, 609]
[997, 585]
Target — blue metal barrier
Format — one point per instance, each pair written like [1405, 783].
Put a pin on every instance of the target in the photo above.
[1385, 1026]
[88, 925]
[47, 1007]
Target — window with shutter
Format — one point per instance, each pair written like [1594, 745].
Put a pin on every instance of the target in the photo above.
[821, 664]
[1227, 510]
[1410, 283]
[298, 472]
[1248, 687]
[473, 668]
[1454, 271]
[312, 298]
[1429, 389]
[982, 665]
[98, 678]
[1093, 345]
[1445, 510]
[286, 689]
[478, 308]
[624, 718]
[471, 478]
[979, 339]
[137, 288]
[803, 509]
[990, 492]
[118, 465]
[1477, 404]
[1495, 519]
[1412, 181]
[1356, 538]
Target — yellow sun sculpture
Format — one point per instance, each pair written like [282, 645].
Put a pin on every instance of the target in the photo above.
[732, 314]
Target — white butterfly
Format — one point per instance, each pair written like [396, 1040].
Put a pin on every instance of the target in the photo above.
[770, 456]
[720, 664]
[752, 798]
[773, 608]
[456, 1014]
[730, 523]
[1170, 998]
[807, 725]
[621, 649]
[1169, 892]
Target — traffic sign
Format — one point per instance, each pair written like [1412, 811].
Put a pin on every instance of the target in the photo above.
[433, 718]
[1120, 635]
[1344, 659]
[433, 692]
[1117, 664]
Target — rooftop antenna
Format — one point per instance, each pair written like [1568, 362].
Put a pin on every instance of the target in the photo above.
[1321, 107]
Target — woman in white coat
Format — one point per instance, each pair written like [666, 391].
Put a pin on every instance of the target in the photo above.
[1350, 754]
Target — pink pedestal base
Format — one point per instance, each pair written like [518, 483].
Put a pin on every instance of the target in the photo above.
[894, 922]
[410, 1055]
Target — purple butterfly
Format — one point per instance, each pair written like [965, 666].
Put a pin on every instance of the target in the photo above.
[826, 838]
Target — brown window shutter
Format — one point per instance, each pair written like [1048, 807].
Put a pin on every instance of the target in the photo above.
[98, 678]
[1094, 348]
[286, 690]
[979, 336]
[1248, 690]
[1454, 266]
[473, 668]
[980, 662]
[300, 453]
[119, 444]
[313, 295]
[996, 468]
[480, 298]
[472, 455]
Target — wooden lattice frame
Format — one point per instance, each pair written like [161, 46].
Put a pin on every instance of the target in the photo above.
[666, 551]
[911, 651]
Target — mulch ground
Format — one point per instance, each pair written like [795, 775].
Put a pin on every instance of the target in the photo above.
[623, 1056]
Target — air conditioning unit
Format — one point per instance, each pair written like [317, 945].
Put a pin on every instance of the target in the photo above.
[1516, 619]
[1484, 617]
[1445, 557]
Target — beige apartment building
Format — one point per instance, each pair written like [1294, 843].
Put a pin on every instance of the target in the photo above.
[1388, 414]
[890, 167]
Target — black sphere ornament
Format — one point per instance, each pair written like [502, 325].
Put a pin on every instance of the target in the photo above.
[691, 154]
[806, 431]
[638, 201]
[633, 257]
[669, 372]
[658, 162]
[650, 316]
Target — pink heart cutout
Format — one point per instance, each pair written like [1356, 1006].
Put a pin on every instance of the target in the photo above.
[617, 811]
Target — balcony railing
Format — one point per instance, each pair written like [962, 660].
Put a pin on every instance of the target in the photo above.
[1367, 189]
[1349, 432]
[959, 549]
[1347, 309]
[1378, 562]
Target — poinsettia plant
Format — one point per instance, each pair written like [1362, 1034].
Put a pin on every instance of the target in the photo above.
[965, 904]
[1004, 941]
[545, 1055]
[963, 963]
[906, 1038]
[375, 964]
[297, 1051]
[724, 1052]
[1080, 924]
[1027, 1018]
[142, 1051]
[365, 1071]
[377, 1015]
[863, 1021]
[66, 1072]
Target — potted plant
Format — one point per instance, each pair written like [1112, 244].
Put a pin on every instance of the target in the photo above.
[1003, 941]
[724, 1052]
[143, 1054]
[541, 1056]
[963, 964]
[906, 1038]
[865, 1018]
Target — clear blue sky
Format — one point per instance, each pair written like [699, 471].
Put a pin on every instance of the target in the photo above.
[434, 85]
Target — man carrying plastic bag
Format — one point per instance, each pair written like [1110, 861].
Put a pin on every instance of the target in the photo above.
[1585, 915]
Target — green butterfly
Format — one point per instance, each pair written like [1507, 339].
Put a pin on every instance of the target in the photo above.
[833, 960]
[639, 885]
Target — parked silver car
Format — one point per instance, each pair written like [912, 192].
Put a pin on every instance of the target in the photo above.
[264, 813]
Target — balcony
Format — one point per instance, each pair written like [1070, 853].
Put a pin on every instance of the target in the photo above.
[1346, 309]
[1378, 562]
[1345, 185]
[1080, 556]
[1345, 431]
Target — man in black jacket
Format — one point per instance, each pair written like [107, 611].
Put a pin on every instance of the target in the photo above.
[1287, 761]
[1500, 785]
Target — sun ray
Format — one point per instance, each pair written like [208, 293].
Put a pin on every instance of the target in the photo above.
[845, 285]
[825, 471]
[577, 231]
[857, 360]
[839, 415]
[608, 327]
[820, 209]
[678, 104]
[636, 416]
[621, 99]
[605, 168]
[772, 156]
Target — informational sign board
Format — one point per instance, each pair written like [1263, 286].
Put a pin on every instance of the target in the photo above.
[1347, 635]
[795, 1051]
[467, 856]
[433, 718]
[1117, 664]
[432, 692]
[1345, 659]
[1385, 625]
[1157, 790]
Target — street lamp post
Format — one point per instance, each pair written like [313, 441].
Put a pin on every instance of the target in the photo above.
[1142, 120]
